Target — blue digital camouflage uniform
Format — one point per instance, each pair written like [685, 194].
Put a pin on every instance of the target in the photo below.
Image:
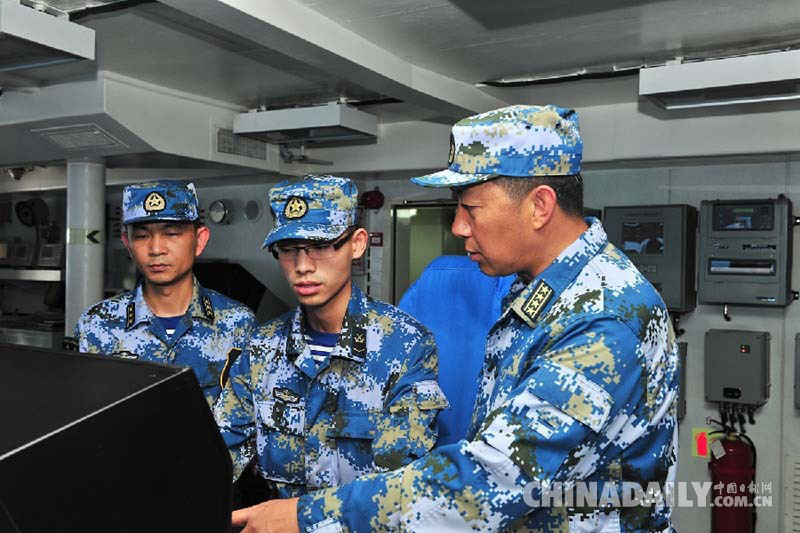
[214, 330]
[208, 338]
[579, 384]
[369, 406]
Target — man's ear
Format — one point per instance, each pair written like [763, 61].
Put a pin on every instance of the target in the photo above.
[203, 234]
[542, 202]
[359, 238]
[125, 242]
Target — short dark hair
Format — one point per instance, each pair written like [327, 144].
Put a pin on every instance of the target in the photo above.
[568, 189]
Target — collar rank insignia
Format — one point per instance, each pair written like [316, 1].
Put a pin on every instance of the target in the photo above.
[130, 315]
[285, 395]
[296, 207]
[154, 202]
[233, 355]
[207, 309]
[360, 342]
[70, 344]
[537, 301]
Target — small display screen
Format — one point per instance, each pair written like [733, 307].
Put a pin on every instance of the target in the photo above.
[643, 238]
[742, 267]
[743, 217]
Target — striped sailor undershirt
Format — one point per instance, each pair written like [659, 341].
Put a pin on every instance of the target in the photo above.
[321, 344]
[170, 323]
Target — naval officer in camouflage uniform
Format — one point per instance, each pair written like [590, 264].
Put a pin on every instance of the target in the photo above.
[341, 386]
[169, 317]
[579, 382]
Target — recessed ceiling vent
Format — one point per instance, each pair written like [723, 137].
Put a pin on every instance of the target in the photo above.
[330, 123]
[80, 137]
[232, 144]
[753, 79]
[30, 38]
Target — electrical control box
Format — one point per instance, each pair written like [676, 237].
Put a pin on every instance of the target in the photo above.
[746, 252]
[797, 371]
[737, 366]
[660, 240]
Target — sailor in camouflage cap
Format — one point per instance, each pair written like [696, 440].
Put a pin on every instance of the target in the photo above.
[159, 201]
[518, 141]
[580, 376]
[318, 208]
[168, 317]
[343, 385]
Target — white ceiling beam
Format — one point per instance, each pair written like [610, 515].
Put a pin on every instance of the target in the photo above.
[307, 36]
[611, 134]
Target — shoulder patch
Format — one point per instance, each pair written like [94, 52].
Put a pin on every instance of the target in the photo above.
[359, 342]
[208, 309]
[537, 301]
[130, 315]
[233, 355]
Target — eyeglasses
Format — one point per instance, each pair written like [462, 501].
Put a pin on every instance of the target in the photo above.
[316, 252]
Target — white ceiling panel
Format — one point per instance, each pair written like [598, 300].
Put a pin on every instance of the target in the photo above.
[161, 46]
[478, 40]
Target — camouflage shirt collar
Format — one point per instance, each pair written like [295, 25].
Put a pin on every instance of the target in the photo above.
[530, 300]
[352, 339]
[138, 311]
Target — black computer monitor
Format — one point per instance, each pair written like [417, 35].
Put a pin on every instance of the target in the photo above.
[90, 443]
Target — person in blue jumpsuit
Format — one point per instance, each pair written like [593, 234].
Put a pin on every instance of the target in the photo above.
[451, 292]
[169, 317]
[341, 386]
[579, 382]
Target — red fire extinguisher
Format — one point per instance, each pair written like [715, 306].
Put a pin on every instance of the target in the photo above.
[733, 473]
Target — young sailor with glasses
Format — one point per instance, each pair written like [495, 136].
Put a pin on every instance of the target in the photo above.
[341, 386]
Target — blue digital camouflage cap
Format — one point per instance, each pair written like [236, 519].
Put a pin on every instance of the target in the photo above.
[315, 207]
[519, 141]
[159, 200]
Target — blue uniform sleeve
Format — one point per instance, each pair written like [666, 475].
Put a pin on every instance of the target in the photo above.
[555, 425]
[82, 334]
[408, 431]
[235, 414]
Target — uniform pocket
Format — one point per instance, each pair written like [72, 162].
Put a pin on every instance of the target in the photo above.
[572, 393]
[281, 441]
[356, 425]
[354, 432]
[284, 417]
[430, 395]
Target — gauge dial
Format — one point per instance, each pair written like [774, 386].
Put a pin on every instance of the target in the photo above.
[218, 212]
